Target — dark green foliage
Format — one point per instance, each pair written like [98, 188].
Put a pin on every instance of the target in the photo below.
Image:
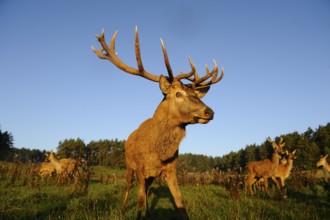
[6, 145]
[71, 148]
[107, 153]
[196, 162]
[309, 145]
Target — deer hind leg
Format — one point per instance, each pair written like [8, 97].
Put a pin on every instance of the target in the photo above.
[266, 184]
[42, 176]
[173, 185]
[129, 177]
[47, 174]
[249, 183]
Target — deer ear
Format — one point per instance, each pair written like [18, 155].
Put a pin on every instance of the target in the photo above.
[201, 92]
[164, 85]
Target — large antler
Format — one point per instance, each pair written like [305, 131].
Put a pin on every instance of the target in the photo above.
[197, 82]
[110, 54]
[201, 82]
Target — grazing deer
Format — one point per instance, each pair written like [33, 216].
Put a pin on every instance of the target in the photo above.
[323, 162]
[153, 148]
[264, 169]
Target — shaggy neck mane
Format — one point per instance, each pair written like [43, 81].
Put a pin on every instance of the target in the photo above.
[168, 133]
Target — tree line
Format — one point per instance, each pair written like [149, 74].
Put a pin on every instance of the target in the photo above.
[309, 145]
[111, 153]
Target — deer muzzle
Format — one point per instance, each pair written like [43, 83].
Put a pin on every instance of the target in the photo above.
[207, 116]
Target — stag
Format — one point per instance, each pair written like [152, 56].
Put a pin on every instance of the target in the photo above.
[152, 149]
[264, 169]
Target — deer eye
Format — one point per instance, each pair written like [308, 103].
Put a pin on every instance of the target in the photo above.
[178, 94]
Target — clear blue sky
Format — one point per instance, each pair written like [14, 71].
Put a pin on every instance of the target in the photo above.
[276, 56]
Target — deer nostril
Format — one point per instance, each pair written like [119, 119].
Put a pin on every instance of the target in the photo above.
[209, 112]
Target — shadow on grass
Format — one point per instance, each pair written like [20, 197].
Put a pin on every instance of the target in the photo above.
[158, 193]
[308, 198]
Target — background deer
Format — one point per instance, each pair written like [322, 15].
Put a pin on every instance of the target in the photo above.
[69, 165]
[46, 170]
[60, 169]
[323, 162]
[153, 148]
[264, 169]
[283, 170]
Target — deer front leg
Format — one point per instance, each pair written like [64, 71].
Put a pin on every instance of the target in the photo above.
[141, 195]
[276, 182]
[173, 185]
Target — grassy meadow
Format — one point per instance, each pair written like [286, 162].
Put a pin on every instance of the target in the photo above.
[26, 197]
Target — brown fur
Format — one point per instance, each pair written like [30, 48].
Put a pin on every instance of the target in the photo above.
[70, 166]
[283, 170]
[323, 162]
[263, 169]
[153, 148]
[46, 170]
[60, 169]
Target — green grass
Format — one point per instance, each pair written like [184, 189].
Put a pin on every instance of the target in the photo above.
[104, 200]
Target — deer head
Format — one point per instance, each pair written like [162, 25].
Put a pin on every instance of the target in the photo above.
[278, 147]
[292, 155]
[183, 99]
[322, 161]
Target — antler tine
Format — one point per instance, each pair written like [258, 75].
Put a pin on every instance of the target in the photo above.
[200, 82]
[110, 54]
[138, 51]
[167, 62]
[281, 142]
[187, 75]
[208, 74]
[270, 140]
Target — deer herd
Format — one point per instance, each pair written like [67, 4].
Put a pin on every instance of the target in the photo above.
[64, 169]
[152, 149]
[260, 171]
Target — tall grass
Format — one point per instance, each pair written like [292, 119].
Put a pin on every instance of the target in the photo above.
[104, 199]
